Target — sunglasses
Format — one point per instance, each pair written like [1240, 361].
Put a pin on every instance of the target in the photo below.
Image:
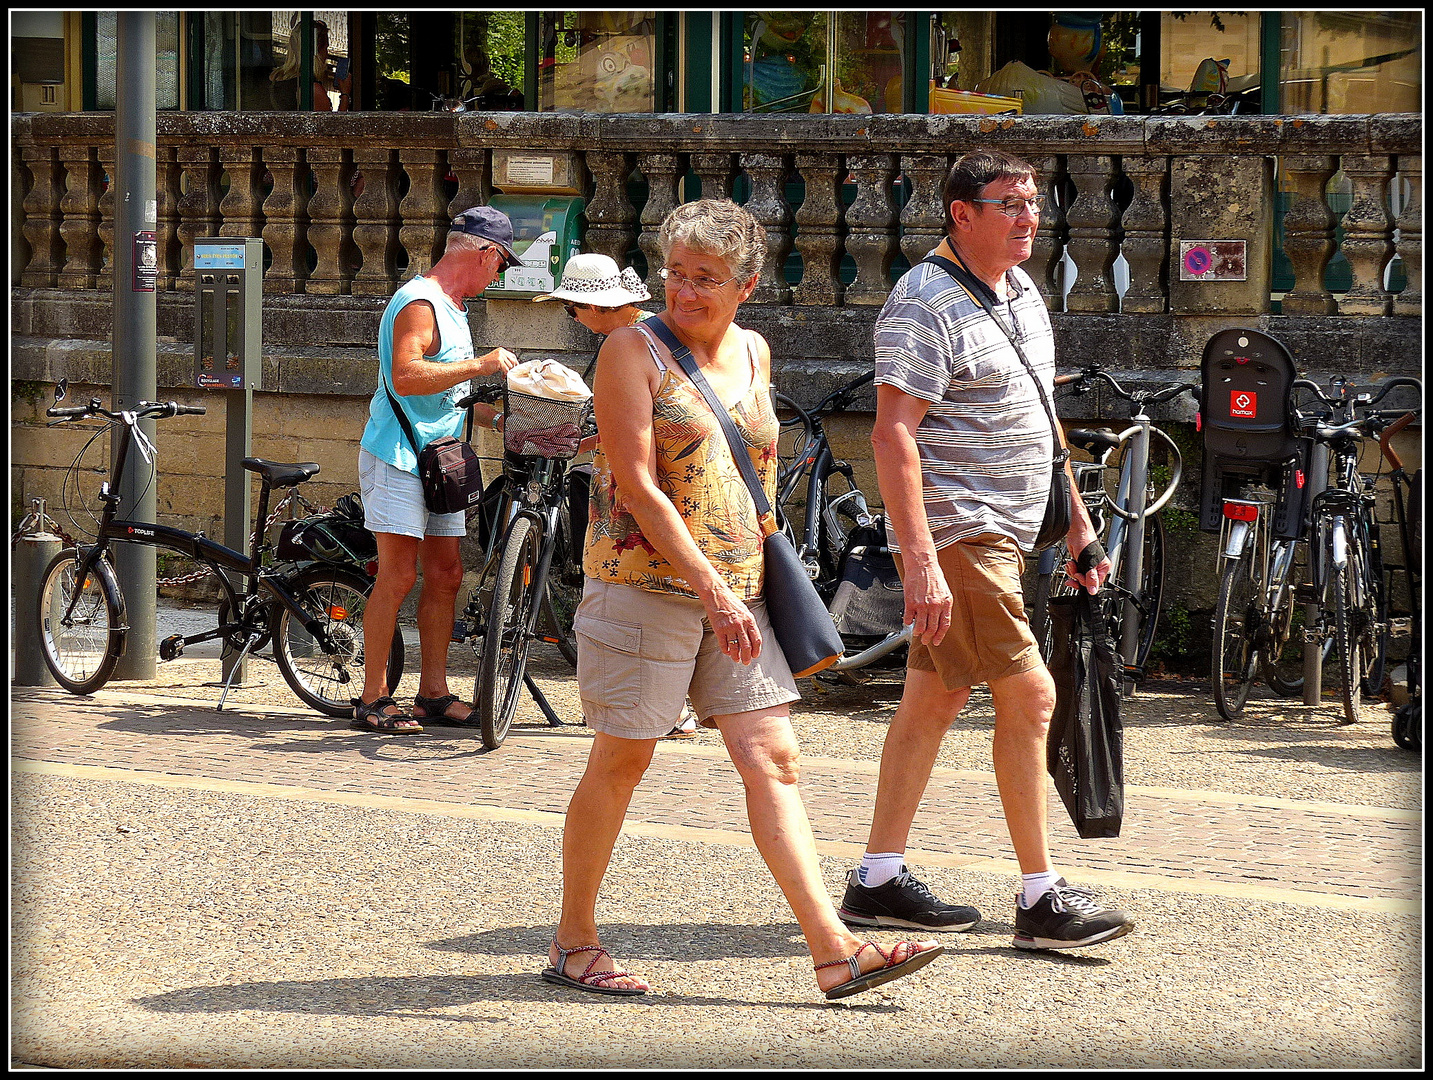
[572, 309]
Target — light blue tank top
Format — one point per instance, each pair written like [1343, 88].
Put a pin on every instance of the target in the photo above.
[432, 416]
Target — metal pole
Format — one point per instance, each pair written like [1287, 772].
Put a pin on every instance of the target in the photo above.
[133, 347]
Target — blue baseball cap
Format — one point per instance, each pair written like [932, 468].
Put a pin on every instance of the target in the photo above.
[491, 225]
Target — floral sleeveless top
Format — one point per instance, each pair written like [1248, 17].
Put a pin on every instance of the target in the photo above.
[695, 469]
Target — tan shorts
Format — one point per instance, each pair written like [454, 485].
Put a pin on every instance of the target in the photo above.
[989, 636]
[641, 654]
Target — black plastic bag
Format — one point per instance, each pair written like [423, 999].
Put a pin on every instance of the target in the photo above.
[1085, 753]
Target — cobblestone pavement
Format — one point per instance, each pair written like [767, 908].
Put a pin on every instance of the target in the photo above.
[264, 887]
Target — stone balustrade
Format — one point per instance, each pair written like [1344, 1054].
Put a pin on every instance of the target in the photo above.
[347, 204]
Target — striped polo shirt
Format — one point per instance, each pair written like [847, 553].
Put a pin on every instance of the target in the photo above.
[985, 442]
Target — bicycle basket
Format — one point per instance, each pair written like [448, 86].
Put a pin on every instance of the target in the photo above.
[527, 415]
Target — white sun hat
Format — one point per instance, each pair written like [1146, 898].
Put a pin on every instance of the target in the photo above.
[592, 278]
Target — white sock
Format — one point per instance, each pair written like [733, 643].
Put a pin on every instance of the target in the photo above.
[1037, 885]
[880, 867]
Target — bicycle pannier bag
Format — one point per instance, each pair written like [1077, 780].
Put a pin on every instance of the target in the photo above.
[1085, 750]
[869, 600]
[800, 621]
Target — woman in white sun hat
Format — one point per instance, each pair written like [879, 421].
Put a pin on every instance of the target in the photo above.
[599, 295]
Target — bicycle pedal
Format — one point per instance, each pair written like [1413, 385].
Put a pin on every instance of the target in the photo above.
[1305, 593]
[460, 630]
[171, 647]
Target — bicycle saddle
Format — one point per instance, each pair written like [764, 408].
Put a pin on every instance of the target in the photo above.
[1093, 440]
[282, 473]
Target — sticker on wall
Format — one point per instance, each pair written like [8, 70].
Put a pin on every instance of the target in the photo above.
[1212, 260]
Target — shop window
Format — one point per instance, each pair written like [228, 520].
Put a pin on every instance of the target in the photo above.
[597, 61]
[818, 61]
[166, 73]
[491, 55]
[1350, 62]
[1208, 51]
[331, 88]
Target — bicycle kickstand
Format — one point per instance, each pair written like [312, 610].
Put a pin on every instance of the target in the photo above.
[553, 720]
[233, 671]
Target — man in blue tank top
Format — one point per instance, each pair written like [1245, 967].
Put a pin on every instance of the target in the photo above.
[425, 358]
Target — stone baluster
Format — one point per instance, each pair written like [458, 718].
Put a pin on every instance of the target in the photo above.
[240, 206]
[664, 174]
[768, 205]
[376, 211]
[1092, 219]
[166, 226]
[871, 221]
[199, 205]
[286, 220]
[424, 210]
[331, 220]
[717, 170]
[1146, 234]
[474, 170]
[923, 217]
[1410, 238]
[105, 230]
[80, 216]
[1048, 248]
[41, 206]
[1308, 233]
[611, 217]
[820, 227]
[1367, 239]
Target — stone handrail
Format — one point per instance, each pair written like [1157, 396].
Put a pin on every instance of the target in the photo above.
[346, 204]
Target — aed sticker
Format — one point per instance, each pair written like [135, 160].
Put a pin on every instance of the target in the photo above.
[1244, 403]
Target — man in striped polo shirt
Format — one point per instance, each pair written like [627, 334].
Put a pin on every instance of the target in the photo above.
[963, 449]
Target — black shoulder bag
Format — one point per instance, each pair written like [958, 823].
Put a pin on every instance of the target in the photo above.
[1060, 509]
[802, 625]
[448, 468]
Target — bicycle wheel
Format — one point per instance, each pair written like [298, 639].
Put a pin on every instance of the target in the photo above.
[508, 637]
[1360, 644]
[82, 650]
[1151, 594]
[564, 590]
[1281, 648]
[1377, 632]
[1235, 651]
[328, 680]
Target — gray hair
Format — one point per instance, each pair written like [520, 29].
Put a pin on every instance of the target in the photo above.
[461, 241]
[717, 227]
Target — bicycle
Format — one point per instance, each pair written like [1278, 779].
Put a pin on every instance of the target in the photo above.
[841, 542]
[1347, 575]
[1128, 523]
[312, 611]
[531, 579]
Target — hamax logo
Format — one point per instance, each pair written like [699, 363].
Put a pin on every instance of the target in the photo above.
[1243, 403]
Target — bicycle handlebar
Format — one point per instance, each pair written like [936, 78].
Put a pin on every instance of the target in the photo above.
[1083, 378]
[160, 410]
[484, 394]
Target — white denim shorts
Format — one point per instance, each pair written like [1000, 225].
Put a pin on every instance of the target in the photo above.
[641, 654]
[393, 502]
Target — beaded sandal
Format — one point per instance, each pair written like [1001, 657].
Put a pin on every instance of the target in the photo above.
[887, 972]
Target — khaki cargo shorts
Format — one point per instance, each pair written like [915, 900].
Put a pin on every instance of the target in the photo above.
[641, 654]
[989, 636]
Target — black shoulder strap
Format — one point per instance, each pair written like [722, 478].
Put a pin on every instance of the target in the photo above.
[683, 356]
[981, 294]
[403, 416]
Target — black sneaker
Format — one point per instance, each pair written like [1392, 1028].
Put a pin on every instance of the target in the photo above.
[1067, 918]
[903, 901]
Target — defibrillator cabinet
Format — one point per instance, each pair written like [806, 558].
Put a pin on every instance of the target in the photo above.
[547, 231]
